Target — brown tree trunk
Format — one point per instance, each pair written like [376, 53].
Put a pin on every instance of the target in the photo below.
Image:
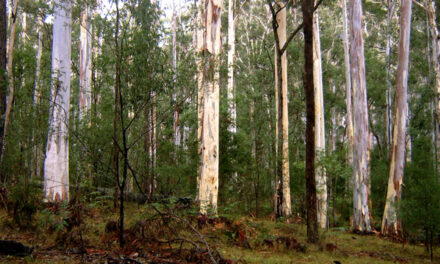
[3, 82]
[391, 223]
[10, 96]
[312, 220]
[361, 212]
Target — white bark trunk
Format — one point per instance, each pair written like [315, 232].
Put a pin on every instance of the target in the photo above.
[320, 176]
[390, 222]
[361, 214]
[176, 125]
[85, 62]
[348, 96]
[208, 189]
[56, 165]
[286, 202]
[435, 49]
[231, 59]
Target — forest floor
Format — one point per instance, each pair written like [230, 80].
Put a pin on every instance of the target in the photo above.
[173, 234]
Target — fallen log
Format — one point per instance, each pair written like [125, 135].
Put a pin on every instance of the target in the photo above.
[13, 248]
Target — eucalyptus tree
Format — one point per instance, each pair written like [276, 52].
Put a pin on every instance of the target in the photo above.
[56, 165]
[390, 222]
[361, 211]
[85, 61]
[208, 187]
[321, 178]
[312, 223]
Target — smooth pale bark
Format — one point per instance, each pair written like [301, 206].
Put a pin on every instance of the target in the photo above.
[11, 90]
[435, 49]
[391, 224]
[283, 121]
[231, 58]
[348, 96]
[3, 78]
[312, 219]
[56, 165]
[153, 145]
[320, 176]
[176, 115]
[208, 189]
[36, 156]
[200, 80]
[389, 123]
[361, 211]
[85, 63]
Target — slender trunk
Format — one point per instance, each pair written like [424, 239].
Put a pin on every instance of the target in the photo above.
[390, 222]
[320, 176]
[231, 58]
[361, 211]
[3, 78]
[85, 62]
[435, 49]
[312, 219]
[200, 81]
[348, 96]
[116, 110]
[283, 172]
[208, 189]
[56, 165]
[176, 125]
[36, 96]
[10, 96]
[153, 146]
[390, 13]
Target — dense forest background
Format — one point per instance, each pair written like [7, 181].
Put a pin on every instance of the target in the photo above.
[132, 123]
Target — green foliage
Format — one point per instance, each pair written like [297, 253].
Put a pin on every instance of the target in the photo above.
[419, 209]
[54, 218]
[24, 202]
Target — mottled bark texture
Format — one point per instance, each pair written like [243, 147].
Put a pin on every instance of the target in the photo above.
[390, 222]
[348, 96]
[56, 165]
[320, 176]
[85, 63]
[312, 221]
[361, 211]
[208, 188]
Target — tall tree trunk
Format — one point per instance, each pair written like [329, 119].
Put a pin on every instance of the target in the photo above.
[390, 13]
[283, 172]
[348, 96]
[231, 58]
[85, 63]
[208, 189]
[200, 81]
[3, 78]
[176, 125]
[361, 211]
[56, 165]
[320, 176]
[435, 49]
[312, 220]
[390, 222]
[116, 109]
[36, 159]
[11, 41]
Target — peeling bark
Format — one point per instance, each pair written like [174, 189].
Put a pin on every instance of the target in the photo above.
[320, 176]
[56, 165]
[361, 211]
[85, 63]
[208, 188]
[391, 223]
[348, 96]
